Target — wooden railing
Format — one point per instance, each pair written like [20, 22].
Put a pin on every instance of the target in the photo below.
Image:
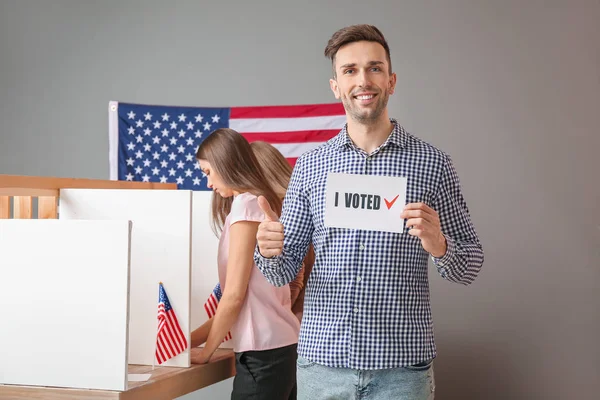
[20, 195]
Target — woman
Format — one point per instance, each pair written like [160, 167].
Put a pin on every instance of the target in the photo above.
[278, 172]
[263, 328]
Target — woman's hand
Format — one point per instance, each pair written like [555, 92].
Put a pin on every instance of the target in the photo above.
[199, 355]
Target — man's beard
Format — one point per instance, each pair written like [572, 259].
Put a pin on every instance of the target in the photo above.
[366, 116]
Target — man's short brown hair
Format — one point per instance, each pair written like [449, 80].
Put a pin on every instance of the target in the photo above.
[355, 33]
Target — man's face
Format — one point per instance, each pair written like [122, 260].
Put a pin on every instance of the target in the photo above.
[363, 81]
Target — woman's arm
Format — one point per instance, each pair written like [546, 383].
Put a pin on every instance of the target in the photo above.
[199, 335]
[242, 241]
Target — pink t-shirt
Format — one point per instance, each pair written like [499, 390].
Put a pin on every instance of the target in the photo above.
[266, 320]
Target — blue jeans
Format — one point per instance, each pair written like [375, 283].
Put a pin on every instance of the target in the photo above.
[318, 382]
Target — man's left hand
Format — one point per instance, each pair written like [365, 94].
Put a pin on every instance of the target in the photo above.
[424, 223]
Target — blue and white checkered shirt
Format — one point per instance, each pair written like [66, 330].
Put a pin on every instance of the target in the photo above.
[367, 300]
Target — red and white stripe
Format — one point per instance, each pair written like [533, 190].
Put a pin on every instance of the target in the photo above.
[211, 305]
[170, 339]
[211, 308]
[294, 130]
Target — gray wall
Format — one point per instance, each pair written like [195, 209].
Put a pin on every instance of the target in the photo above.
[511, 89]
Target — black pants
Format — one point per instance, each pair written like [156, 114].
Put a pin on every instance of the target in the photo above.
[265, 374]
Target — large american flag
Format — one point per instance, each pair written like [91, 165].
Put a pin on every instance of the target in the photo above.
[212, 303]
[170, 339]
[154, 143]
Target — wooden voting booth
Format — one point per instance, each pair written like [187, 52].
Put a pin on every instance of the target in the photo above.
[80, 263]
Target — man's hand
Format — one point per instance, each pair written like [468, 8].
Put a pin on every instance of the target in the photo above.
[198, 355]
[270, 231]
[424, 223]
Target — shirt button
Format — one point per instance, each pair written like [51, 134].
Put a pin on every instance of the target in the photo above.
[358, 279]
[362, 247]
[355, 310]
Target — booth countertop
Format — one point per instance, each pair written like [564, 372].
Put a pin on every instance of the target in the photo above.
[165, 383]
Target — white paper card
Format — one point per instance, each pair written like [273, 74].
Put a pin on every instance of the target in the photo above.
[366, 202]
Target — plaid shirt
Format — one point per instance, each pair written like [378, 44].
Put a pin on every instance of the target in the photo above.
[367, 302]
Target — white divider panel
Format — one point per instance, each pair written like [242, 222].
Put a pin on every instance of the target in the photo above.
[64, 303]
[205, 245]
[160, 252]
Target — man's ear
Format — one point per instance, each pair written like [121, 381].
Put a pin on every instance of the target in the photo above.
[334, 88]
[392, 83]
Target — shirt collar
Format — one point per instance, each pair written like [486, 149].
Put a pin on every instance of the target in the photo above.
[398, 137]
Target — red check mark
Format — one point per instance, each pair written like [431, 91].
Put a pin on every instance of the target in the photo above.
[389, 204]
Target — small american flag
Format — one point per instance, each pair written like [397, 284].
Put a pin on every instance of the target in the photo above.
[154, 143]
[170, 340]
[212, 303]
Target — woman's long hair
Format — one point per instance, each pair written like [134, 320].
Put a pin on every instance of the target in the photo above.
[231, 156]
[276, 167]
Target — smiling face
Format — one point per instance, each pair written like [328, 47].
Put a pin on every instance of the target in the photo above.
[214, 180]
[363, 81]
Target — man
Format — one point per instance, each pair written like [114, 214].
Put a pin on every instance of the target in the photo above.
[367, 326]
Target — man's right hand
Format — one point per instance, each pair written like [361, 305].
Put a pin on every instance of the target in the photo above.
[270, 231]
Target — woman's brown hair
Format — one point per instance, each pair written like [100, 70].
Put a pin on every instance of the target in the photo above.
[231, 156]
[276, 168]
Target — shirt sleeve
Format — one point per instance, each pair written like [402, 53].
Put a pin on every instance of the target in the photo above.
[464, 254]
[297, 229]
[245, 208]
[296, 285]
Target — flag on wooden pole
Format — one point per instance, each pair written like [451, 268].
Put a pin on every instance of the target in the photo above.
[170, 340]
